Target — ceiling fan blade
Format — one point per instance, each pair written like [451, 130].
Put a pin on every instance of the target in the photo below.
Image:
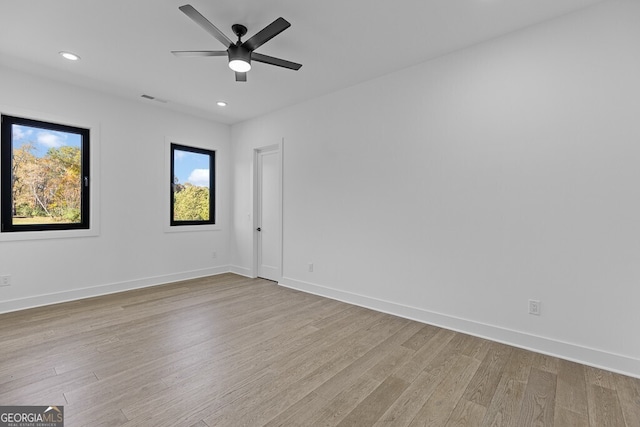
[196, 17]
[266, 34]
[241, 77]
[199, 52]
[258, 57]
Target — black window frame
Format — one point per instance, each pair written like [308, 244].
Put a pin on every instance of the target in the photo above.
[6, 160]
[212, 185]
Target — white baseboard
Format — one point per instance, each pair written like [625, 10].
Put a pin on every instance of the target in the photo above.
[242, 271]
[94, 291]
[588, 356]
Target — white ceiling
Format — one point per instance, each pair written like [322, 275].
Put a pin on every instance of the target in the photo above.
[125, 44]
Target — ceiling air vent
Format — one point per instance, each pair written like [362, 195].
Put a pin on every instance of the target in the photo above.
[153, 98]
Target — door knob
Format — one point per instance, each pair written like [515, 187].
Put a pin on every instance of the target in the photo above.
[258, 229]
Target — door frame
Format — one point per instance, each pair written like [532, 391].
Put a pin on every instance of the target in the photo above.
[279, 149]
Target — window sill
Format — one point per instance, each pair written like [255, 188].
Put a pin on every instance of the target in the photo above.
[191, 228]
[49, 234]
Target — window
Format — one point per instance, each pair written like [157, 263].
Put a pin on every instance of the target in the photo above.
[44, 178]
[192, 186]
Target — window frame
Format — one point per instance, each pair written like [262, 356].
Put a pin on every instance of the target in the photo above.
[6, 184]
[188, 224]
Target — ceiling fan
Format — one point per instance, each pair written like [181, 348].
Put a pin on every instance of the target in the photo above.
[240, 53]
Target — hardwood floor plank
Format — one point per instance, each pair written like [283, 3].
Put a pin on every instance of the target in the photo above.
[52, 385]
[409, 403]
[392, 360]
[504, 408]
[330, 320]
[311, 404]
[485, 381]
[477, 348]
[519, 366]
[467, 414]
[606, 407]
[546, 363]
[24, 377]
[421, 337]
[336, 409]
[435, 347]
[538, 403]
[438, 408]
[113, 418]
[376, 403]
[566, 418]
[629, 395]
[571, 392]
[600, 377]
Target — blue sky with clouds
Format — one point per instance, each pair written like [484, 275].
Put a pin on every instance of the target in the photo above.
[188, 166]
[43, 139]
[191, 167]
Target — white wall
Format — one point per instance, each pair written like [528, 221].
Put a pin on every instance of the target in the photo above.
[132, 248]
[454, 191]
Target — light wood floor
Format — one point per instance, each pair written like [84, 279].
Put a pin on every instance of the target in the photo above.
[231, 351]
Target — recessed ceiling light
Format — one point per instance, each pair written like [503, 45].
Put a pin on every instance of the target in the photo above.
[70, 56]
[221, 104]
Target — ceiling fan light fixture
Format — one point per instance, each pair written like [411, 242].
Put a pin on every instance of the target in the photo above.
[239, 59]
[239, 65]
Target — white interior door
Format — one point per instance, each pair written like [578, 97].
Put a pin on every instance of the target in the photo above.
[269, 234]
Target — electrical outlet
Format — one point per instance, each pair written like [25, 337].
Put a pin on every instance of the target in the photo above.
[534, 307]
[310, 267]
[214, 254]
[5, 280]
